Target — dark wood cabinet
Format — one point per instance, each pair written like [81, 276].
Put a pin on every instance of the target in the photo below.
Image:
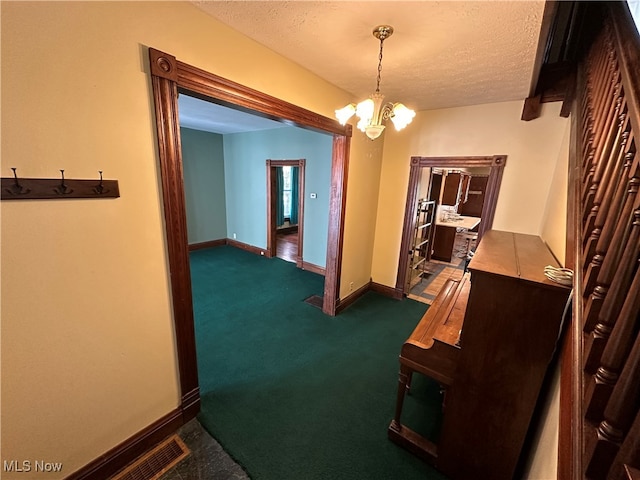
[443, 242]
[472, 207]
[451, 193]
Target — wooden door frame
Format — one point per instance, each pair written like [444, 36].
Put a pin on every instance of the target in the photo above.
[168, 77]
[272, 202]
[496, 164]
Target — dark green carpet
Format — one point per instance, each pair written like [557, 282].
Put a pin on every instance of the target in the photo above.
[293, 394]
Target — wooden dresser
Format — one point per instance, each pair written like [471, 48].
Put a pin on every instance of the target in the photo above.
[511, 324]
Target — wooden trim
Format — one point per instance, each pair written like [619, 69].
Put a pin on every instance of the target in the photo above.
[569, 432]
[312, 268]
[495, 162]
[352, 297]
[408, 223]
[165, 95]
[206, 85]
[272, 228]
[168, 76]
[386, 291]
[627, 45]
[245, 246]
[337, 202]
[548, 15]
[120, 456]
[207, 244]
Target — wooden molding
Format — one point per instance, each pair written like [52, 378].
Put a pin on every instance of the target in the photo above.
[168, 76]
[207, 244]
[247, 247]
[337, 203]
[207, 85]
[163, 65]
[495, 162]
[311, 267]
[272, 230]
[353, 296]
[165, 94]
[390, 292]
[120, 456]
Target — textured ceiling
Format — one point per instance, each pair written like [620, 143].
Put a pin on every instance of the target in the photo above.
[442, 54]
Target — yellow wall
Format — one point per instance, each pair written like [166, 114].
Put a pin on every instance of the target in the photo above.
[88, 348]
[360, 218]
[481, 130]
[554, 221]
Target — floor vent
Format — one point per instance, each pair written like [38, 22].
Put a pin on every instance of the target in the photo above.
[314, 300]
[155, 462]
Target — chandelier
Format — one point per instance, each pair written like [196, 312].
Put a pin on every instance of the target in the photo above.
[372, 112]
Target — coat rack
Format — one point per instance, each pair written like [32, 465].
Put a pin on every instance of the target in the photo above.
[50, 188]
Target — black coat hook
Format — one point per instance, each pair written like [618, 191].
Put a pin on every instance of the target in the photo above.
[16, 188]
[62, 189]
[99, 189]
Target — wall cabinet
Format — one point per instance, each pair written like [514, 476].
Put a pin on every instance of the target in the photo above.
[476, 189]
[451, 192]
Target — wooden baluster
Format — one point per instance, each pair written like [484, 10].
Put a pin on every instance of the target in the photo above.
[603, 96]
[603, 147]
[614, 300]
[608, 219]
[629, 453]
[615, 353]
[603, 444]
[608, 200]
[606, 75]
[613, 163]
[606, 264]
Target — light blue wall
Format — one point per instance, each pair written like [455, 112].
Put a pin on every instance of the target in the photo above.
[245, 156]
[203, 164]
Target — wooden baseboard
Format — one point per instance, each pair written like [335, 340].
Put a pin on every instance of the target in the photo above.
[190, 405]
[352, 297]
[391, 292]
[247, 247]
[120, 456]
[207, 244]
[312, 268]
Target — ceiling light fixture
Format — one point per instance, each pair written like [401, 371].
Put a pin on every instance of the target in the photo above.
[372, 112]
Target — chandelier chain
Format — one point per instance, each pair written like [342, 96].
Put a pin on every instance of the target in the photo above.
[379, 66]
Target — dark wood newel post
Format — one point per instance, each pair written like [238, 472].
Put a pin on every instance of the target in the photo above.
[164, 78]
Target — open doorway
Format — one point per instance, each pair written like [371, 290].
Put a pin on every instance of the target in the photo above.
[285, 215]
[450, 204]
[169, 77]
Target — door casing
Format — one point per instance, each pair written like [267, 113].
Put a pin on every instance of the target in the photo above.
[272, 201]
[169, 76]
[496, 164]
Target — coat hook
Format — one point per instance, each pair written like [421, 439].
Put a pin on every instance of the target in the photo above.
[99, 189]
[15, 177]
[62, 189]
[16, 188]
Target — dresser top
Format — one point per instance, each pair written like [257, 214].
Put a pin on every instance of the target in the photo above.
[515, 255]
